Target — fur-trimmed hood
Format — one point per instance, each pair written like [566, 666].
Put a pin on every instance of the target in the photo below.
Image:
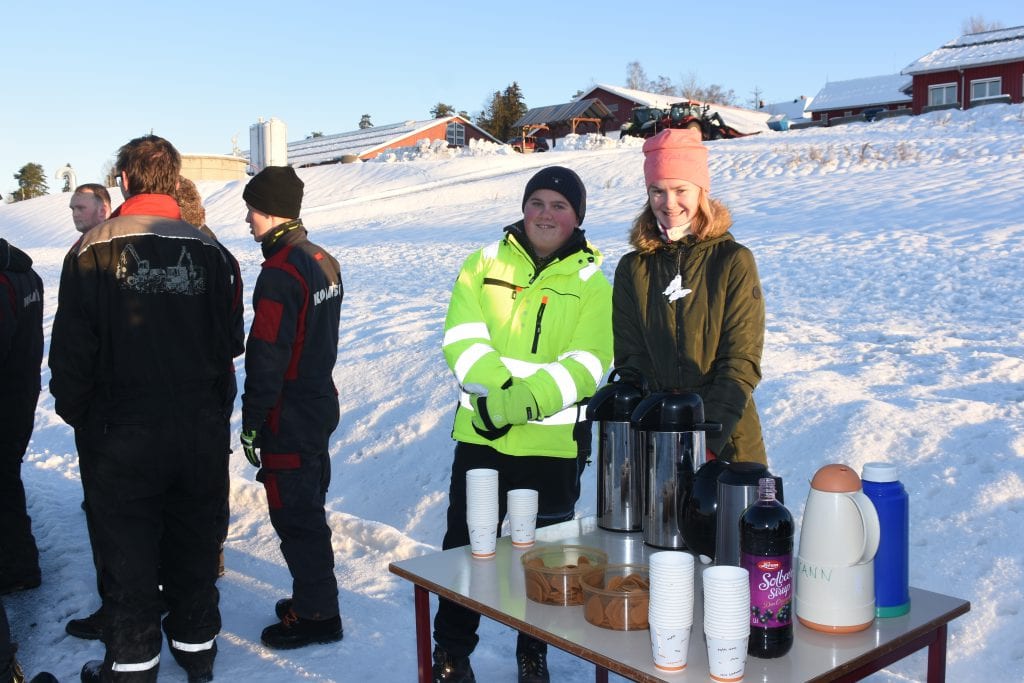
[645, 236]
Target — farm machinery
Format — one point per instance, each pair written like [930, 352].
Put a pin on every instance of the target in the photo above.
[647, 121]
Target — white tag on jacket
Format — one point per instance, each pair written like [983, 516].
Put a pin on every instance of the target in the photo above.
[675, 289]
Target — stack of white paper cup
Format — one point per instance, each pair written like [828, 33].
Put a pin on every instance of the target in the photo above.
[482, 511]
[726, 621]
[670, 611]
[522, 516]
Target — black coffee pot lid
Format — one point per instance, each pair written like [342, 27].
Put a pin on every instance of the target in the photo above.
[615, 401]
[672, 412]
[744, 474]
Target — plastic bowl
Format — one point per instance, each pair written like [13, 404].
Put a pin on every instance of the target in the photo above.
[618, 599]
[553, 573]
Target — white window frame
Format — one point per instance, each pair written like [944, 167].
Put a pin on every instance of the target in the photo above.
[942, 88]
[987, 83]
[455, 134]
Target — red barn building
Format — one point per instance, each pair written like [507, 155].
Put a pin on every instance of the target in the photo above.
[977, 68]
[621, 101]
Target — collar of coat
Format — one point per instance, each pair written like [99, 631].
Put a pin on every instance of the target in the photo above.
[577, 242]
[281, 235]
[647, 238]
[162, 205]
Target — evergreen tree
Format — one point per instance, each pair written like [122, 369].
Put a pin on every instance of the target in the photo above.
[31, 182]
[364, 122]
[441, 110]
[504, 109]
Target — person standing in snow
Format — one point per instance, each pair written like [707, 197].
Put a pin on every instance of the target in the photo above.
[141, 360]
[90, 206]
[21, 355]
[688, 307]
[290, 404]
[528, 337]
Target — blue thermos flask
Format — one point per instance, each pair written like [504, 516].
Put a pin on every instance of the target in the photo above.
[892, 562]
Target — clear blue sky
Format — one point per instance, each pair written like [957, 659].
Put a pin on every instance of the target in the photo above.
[80, 80]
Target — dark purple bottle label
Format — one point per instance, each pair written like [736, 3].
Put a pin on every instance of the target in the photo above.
[771, 589]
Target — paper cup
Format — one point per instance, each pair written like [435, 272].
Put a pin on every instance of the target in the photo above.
[727, 658]
[669, 646]
[523, 530]
[483, 537]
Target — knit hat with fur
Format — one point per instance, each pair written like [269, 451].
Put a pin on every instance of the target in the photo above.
[679, 154]
[565, 182]
[276, 190]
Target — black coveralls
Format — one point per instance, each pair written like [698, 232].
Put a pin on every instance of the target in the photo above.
[148, 320]
[21, 353]
[291, 400]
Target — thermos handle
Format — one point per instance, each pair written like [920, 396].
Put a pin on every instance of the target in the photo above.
[869, 520]
[615, 376]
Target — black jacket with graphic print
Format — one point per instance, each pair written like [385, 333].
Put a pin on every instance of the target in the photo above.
[148, 312]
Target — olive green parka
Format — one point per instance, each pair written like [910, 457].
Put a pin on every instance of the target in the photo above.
[709, 340]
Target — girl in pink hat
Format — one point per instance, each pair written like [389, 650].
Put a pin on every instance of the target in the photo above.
[688, 312]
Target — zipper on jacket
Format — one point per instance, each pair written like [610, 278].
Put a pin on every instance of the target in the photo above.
[501, 283]
[536, 330]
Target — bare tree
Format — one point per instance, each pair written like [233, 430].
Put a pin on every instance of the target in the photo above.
[692, 89]
[636, 77]
[977, 24]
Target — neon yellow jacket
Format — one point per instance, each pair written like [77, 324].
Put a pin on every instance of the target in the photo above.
[551, 329]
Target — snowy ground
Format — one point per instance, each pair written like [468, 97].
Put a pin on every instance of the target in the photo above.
[891, 256]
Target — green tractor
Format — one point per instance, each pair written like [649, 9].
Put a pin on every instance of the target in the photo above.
[644, 122]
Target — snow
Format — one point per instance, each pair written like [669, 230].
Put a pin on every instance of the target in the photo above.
[973, 49]
[891, 256]
[862, 92]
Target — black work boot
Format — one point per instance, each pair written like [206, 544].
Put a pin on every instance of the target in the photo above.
[88, 628]
[294, 631]
[451, 669]
[532, 658]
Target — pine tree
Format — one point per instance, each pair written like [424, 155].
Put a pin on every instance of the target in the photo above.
[31, 182]
[504, 109]
[441, 110]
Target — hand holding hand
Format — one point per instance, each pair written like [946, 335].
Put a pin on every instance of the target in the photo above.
[250, 446]
[512, 406]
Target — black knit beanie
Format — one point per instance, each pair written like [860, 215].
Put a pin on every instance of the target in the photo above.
[565, 182]
[276, 190]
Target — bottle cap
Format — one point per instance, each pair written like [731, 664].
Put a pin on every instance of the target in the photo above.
[880, 472]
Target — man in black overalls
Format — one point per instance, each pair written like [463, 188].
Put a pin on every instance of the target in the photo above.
[290, 404]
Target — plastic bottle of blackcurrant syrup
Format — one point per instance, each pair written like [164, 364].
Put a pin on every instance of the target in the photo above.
[766, 552]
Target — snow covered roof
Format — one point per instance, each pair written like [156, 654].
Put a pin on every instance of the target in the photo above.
[863, 92]
[556, 113]
[642, 98]
[327, 148]
[793, 109]
[973, 49]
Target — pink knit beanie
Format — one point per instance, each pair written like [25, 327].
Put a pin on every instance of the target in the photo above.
[677, 153]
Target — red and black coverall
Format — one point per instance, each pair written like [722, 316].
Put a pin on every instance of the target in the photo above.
[290, 398]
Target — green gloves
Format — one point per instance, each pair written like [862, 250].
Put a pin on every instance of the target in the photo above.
[250, 443]
[512, 406]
